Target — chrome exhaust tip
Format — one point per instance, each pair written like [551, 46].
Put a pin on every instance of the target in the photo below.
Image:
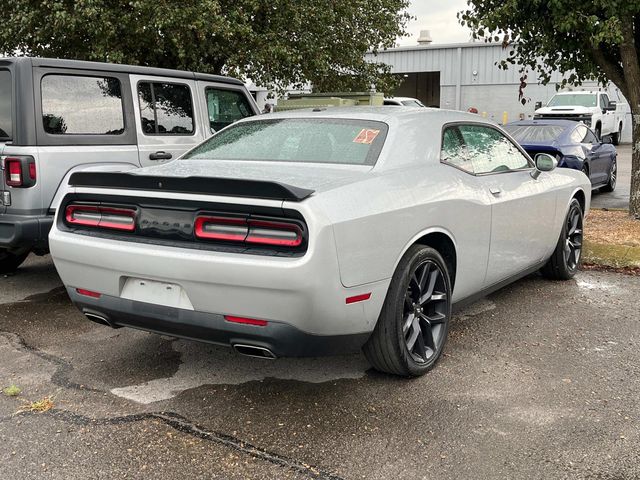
[97, 318]
[254, 351]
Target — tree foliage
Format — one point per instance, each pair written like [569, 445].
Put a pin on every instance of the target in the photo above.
[583, 39]
[273, 42]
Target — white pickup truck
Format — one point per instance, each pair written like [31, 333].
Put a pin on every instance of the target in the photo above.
[594, 108]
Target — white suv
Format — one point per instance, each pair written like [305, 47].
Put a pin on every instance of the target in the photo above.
[62, 116]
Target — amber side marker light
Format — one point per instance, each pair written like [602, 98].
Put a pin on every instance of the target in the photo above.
[246, 321]
[358, 298]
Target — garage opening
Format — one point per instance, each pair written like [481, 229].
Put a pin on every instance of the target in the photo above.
[425, 86]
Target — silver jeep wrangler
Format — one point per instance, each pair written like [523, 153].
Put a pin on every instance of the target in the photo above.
[62, 116]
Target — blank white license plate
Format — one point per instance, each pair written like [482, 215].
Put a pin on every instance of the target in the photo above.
[157, 293]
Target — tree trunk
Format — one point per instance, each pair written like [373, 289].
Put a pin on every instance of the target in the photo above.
[634, 194]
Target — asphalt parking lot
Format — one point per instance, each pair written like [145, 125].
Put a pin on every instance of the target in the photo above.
[540, 380]
[619, 198]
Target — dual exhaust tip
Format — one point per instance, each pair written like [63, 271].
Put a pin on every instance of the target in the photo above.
[242, 349]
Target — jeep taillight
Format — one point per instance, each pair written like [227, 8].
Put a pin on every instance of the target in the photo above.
[101, 216]
[20, 172]
[248, 230]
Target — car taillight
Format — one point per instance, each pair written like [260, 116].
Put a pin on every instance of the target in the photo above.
[248, 230]
[221, 228]
[274, 233]
[99, 216]
[20, 171]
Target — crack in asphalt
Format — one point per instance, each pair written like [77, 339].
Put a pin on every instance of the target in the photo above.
[183, 425]
[176, 421]
[61, 376]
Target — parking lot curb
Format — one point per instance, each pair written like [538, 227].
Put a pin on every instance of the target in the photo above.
[618, 256]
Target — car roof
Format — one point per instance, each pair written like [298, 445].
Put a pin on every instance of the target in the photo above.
[120, 68]
[580, 92]
[401, 98]
[380, 114]
[544, 122]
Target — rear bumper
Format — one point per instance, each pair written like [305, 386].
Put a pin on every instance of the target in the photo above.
[22, 232]
[281, 339]
[304, 293]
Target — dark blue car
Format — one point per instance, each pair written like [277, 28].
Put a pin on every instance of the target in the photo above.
[573, 144]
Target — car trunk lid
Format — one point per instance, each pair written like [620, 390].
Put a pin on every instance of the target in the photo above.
[316, 177]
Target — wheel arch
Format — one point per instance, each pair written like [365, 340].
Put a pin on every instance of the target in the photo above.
[441, 240]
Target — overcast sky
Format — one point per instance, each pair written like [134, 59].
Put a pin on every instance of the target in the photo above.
[439, 16]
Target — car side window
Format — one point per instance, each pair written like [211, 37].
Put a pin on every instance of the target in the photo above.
[590, 137]
[490, 151]
[604, 101]
[82, 105]
[579, 134]
[165, 108]
[226, 107]
[453, 150]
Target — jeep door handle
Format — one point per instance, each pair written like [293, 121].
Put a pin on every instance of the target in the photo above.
[160, 156]
[495, 191]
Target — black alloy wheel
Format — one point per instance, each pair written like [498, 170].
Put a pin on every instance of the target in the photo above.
[613, 177]
[425, 312]
[412, 328]
[565, 260]
[573, 240]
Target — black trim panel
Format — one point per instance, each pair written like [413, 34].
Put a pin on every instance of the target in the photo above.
[282, 339]
[229, 187]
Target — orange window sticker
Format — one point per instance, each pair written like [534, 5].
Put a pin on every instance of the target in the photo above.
[366, 136]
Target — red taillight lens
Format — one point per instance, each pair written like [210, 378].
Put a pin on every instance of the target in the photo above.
[88, 293]
[260, 232]
[32, 171]
[246, 321]
[101, 217]
[221, 228]
[13, 168]
[274, 233]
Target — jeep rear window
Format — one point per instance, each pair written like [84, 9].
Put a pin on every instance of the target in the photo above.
[78, 105]
[6, 100]
[305, 140]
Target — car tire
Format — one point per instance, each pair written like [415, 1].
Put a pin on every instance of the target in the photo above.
[615, 137]
[613, 176]
[567, 256]
[9, 262]
[598, 132]
[413, 324]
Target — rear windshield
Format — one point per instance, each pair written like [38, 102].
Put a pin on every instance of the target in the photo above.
[575, 100]
[534, 133]
[350, 142]
[5, 105]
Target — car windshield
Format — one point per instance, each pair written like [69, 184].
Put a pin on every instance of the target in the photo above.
[574, 100]
[534, 133]
[412, 103]
[5, 105]
[307, 140]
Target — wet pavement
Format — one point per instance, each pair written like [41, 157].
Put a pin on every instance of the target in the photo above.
[540, 380]
[619, 198]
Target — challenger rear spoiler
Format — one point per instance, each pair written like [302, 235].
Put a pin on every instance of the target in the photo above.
[229, 187]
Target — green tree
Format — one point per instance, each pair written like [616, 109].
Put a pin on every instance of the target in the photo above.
[274, 42]
[583, 39]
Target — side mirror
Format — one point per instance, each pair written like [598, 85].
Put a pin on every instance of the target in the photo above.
[544, 163]
[612, 105]
[538, 105]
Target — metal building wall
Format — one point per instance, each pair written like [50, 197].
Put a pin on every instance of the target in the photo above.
[470, 77]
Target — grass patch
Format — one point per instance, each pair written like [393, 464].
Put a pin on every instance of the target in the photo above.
[612, 227]
[39, 406]
[12, 391]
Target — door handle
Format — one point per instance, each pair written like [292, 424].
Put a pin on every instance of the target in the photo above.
[160, 156]
[495, 191]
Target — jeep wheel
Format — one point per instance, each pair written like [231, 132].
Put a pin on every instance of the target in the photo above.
[9, 262]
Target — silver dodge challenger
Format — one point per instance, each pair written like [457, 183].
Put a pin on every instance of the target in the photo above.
[320, 232]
